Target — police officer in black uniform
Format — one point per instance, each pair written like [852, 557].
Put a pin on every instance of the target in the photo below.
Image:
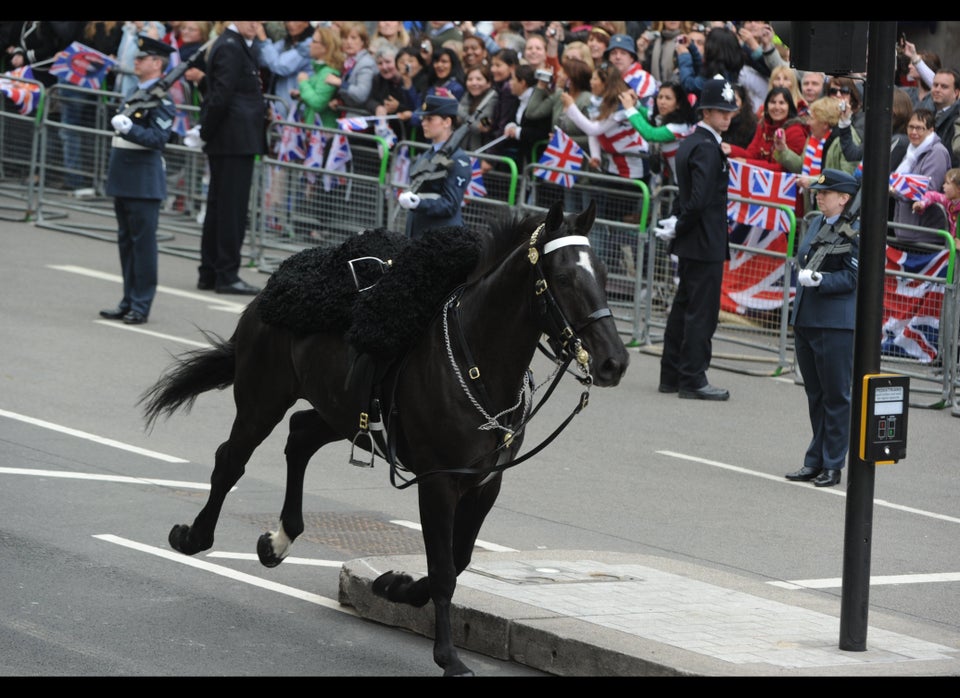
[137, 180]
[701, 244]
[438, 200]
[823, 318]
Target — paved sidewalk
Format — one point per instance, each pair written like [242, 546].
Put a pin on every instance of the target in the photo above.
[589, 613]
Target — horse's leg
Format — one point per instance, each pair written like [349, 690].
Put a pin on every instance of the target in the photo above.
[471, 513]
[250, 427]
[308, 432]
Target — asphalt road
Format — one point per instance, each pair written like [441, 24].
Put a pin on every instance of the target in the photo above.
[88, 497]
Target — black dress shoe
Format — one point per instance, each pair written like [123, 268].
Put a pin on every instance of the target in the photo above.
[667, 388]
[240, 288]
[205, 285]
[117, 313]
[707, 392]
[805, 474]
[828, 478]
[134, 318]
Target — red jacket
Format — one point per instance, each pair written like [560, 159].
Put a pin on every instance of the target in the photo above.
[760, 150]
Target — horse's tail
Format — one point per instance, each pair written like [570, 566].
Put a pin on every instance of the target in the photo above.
[193, 373]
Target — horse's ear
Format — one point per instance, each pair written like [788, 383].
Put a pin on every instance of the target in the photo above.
[555, 216]
[585, 219]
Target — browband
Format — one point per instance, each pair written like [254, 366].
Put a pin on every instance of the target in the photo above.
[564, 241]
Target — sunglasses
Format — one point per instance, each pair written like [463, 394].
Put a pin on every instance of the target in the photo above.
[839, 90]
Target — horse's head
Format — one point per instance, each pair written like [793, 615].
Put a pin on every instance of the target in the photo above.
[571, 289]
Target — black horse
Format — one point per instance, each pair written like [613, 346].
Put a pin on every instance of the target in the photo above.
[536, 275]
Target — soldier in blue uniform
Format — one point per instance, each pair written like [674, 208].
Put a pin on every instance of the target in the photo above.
[137, 181]
[438, 201]
[823, 318]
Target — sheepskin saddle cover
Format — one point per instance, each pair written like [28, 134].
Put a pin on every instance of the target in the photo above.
[314, 290]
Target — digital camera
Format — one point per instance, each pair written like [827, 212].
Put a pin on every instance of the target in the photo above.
[543, 75]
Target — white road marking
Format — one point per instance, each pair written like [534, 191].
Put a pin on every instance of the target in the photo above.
[879, 580]
[91, 437]
[493, 547]
[217, 303]
[139, 328]
[287, 560]
[67, 475]
[827, 490]
[174, 556]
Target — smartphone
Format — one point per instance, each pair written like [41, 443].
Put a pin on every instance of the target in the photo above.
[780, 135]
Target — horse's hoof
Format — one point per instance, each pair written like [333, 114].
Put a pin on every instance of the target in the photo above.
[181, 541]
[460, 670]
[178, 536]
[387, 585]
[268, 558]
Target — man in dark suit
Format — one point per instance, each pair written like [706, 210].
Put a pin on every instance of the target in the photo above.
[823, 319]
[701, 246]
[438, 201]
[137, 181]
[233, 130]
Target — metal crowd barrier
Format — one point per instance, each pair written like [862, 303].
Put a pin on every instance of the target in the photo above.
[297, 203]
[19, 147]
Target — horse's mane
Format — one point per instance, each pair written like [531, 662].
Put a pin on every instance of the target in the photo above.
[507, 232]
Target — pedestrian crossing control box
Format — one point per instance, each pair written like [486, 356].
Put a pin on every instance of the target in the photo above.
[883, 420]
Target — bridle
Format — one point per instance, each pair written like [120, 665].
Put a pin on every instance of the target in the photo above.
[564, 340]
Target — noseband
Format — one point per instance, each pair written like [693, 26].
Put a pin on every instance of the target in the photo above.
[561, 334]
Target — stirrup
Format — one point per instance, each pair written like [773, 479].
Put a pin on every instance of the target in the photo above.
[363, 439]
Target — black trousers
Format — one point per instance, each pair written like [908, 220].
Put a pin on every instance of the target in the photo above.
[688, 339]
[225, 223]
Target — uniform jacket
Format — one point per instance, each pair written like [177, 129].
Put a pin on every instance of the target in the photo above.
[832, 304]
[441, 200]
[702, 179]
[137, 168]
[233, 112]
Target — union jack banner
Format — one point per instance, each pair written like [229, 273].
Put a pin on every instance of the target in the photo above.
[753, 279]
[23, 94]
[768, 189]
[562, 152]
[912, 186]
[912, 306]
[314, 151]
[476, 187]
[353, 123]
[81, 65]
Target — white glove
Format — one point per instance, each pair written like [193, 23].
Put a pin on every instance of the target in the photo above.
[408, 200]
[192, 139]
[808, 277]
[845, 120]
[666, 229]
[121, 123]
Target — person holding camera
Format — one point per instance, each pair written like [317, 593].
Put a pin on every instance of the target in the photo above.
[659, 55]
[529, 130]
[823, 319]
[479, 103]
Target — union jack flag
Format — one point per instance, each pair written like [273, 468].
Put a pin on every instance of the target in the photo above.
[382, 129]
[81, 65]
[314, 151]
[476, 187]
[400, 171]
[353, 123]
[753, 279]
[562, 152]
[643, 83]
[912, 306]
[912, 186]
[766, 187]
[23, 94]
[337, 160]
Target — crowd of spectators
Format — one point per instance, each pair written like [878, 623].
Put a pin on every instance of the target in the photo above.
[789, 119]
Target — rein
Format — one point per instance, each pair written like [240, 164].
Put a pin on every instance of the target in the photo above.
[564, 341]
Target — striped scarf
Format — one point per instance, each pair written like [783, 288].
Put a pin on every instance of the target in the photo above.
[813, 155]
